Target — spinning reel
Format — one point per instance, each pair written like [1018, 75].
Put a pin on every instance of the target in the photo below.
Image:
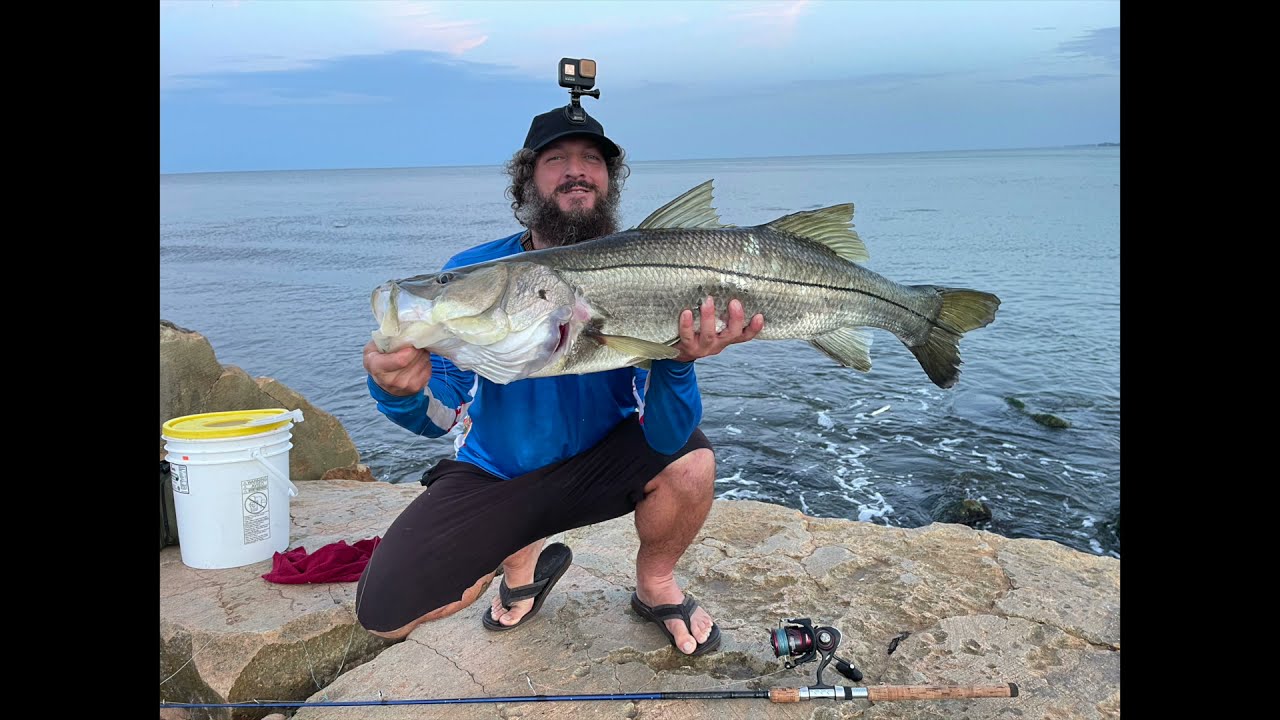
[800, 639]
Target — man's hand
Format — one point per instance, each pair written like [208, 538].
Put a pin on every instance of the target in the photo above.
[707, 341]
[403, 372]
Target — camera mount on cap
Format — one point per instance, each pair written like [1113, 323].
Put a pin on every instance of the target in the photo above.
[579, 75]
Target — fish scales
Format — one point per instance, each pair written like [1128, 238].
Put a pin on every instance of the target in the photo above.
[802, 288]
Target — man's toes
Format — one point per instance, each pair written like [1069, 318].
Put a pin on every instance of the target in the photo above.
[702, 624]
[684, 641]
[516, 613]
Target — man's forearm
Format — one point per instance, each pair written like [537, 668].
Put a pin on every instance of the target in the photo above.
[672, 405]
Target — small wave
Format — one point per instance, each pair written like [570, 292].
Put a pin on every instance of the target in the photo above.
[736, 477]
[742, 494]
[881, 509]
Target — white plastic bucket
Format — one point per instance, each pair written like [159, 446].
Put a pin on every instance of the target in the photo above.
[231, 487]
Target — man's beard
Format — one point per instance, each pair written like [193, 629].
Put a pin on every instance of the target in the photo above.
[554, 226]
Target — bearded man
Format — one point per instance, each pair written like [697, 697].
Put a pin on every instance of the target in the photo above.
[540, 456]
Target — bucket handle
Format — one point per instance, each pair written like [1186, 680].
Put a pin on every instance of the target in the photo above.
[294, 415]
[256, 454]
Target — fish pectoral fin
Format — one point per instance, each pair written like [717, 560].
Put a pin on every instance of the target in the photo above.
[690, 210]
[829, 226]
[850, 347]
[635, 347]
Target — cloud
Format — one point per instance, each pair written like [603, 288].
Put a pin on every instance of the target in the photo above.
[350, 80]
[772, 23]
[786, 11]
[1103, 43]
[893, 79]
[420, 26]
[1057, 79]
[204, 38]
[268, 97]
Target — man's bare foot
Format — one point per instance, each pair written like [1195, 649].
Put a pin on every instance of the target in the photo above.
[666, 592]
[517, 570]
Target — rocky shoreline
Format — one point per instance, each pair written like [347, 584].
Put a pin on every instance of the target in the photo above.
[943, 604]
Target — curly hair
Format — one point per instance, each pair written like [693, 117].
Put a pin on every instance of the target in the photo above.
[521, 167]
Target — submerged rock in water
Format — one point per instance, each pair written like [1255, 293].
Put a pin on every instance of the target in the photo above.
[1050, 420]
[965, 512]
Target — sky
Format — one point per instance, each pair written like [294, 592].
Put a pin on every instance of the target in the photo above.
[293, 84]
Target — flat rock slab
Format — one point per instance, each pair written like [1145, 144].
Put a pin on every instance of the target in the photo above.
[231, 636]
[943, 604]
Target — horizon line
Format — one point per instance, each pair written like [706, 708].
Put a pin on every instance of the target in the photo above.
[638, 162]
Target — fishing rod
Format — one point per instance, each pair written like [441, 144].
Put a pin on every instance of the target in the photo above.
[793, 638]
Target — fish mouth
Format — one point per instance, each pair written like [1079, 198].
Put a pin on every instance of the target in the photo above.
[386, 313]
[564, 339]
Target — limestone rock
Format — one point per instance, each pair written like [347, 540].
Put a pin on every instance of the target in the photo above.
[358, 471]
[192, 381]
[966, 606]
[230, 636]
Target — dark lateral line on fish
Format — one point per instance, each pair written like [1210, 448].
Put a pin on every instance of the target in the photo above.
[764, 278]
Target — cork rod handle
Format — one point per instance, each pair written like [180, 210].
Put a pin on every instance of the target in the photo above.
[784, 695]
[940, 692]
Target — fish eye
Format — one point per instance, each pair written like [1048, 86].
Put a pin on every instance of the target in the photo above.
[443, 278]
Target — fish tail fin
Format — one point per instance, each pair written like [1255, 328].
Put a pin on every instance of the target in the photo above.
[960, 312]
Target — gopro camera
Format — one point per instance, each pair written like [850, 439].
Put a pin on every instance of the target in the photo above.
[579, 75]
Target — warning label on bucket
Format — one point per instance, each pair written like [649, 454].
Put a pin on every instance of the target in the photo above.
[178, 476]
[257, 511]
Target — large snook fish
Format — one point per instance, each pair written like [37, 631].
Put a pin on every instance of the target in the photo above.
[615, 301]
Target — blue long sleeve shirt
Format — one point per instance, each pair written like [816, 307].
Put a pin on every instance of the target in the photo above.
[515, 428]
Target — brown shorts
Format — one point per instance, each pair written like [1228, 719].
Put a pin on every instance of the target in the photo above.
[467, 521]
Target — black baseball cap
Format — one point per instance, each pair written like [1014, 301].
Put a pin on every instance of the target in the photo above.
[553, 125]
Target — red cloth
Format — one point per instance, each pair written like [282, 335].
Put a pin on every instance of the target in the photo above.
[335, 562]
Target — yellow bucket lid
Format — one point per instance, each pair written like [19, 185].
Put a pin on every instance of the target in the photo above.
[233, 423]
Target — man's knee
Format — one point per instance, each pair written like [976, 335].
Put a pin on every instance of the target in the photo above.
[376, 621]
[702, 466]
[400, 634]
[694, 472]
[372, 621]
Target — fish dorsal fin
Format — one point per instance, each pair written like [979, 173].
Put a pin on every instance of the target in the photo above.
[829, 226]
[690, 210]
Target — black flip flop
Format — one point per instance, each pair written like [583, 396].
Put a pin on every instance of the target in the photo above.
[659, 614]
[554, 560]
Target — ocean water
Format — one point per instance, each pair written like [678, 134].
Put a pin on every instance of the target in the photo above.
[276, 269]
